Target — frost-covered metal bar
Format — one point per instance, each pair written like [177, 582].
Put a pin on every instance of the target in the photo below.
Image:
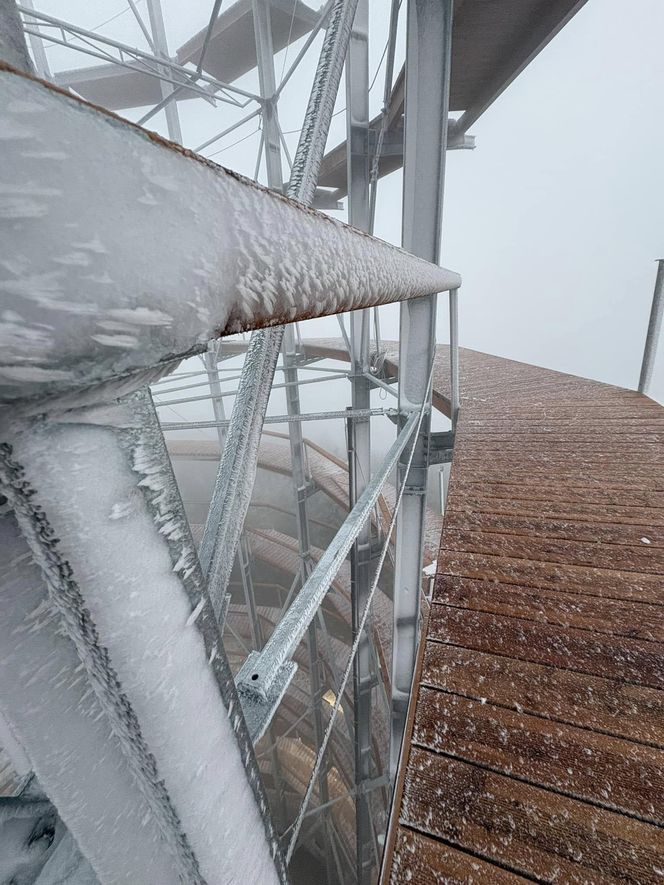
[284, 419]
[428, 62]
[13, 48]
[300, 489]
[266, 78]
[134, 705]
[264, 678]
[654, 330]
[359, 433]
[161, 45]
[226, 254]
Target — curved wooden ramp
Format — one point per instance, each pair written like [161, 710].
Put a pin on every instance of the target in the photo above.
[535, 743]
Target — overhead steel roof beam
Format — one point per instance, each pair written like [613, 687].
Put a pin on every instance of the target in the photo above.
[536, 36]
[225, 255]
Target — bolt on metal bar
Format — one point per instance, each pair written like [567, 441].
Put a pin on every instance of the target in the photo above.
[265, 60]
[654, 329]
[259, 676]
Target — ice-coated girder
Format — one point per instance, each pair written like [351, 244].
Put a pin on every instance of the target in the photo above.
[83, 302]
[114, 678]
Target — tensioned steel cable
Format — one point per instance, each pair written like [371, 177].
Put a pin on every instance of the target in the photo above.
[349, 665]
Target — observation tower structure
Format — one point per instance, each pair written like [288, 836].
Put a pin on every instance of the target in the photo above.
[247, 638]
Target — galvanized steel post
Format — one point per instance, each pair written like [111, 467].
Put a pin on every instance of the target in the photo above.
[428, 56]
[654, 330]
[359, 430]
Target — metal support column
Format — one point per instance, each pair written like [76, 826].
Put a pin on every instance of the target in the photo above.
[428, 51]
[654, 329]
[161, 45]
[268, 88]
[300, 488]
[359, 432]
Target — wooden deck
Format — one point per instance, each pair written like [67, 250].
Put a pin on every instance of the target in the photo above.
[535, 743]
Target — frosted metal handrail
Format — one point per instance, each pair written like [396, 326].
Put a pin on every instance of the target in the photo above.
[226, 255]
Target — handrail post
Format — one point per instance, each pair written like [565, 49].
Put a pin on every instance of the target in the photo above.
[654, 329]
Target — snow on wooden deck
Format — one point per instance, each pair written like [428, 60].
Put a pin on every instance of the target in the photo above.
[535, 742]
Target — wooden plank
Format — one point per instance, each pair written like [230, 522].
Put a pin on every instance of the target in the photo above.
[538, 526]
[594, 702]
[420, 860]
[608, 583]
[472, 501]
[607, 771]
[627, 660]
[533, 831]
[636, 620]
[537, 741]
[498, 487]
[645, 559]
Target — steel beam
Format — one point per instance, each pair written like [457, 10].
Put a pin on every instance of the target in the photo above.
[301, 485]
[264, 678]
[359, 432]
[654, 330]
[284, 419]
[428, 53]
[136, 677]
[242, 255]
[266, 78]
[161, 45]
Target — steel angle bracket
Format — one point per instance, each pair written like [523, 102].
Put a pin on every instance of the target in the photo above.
[259, 710]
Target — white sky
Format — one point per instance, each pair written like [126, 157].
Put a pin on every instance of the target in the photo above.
[554, 221]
